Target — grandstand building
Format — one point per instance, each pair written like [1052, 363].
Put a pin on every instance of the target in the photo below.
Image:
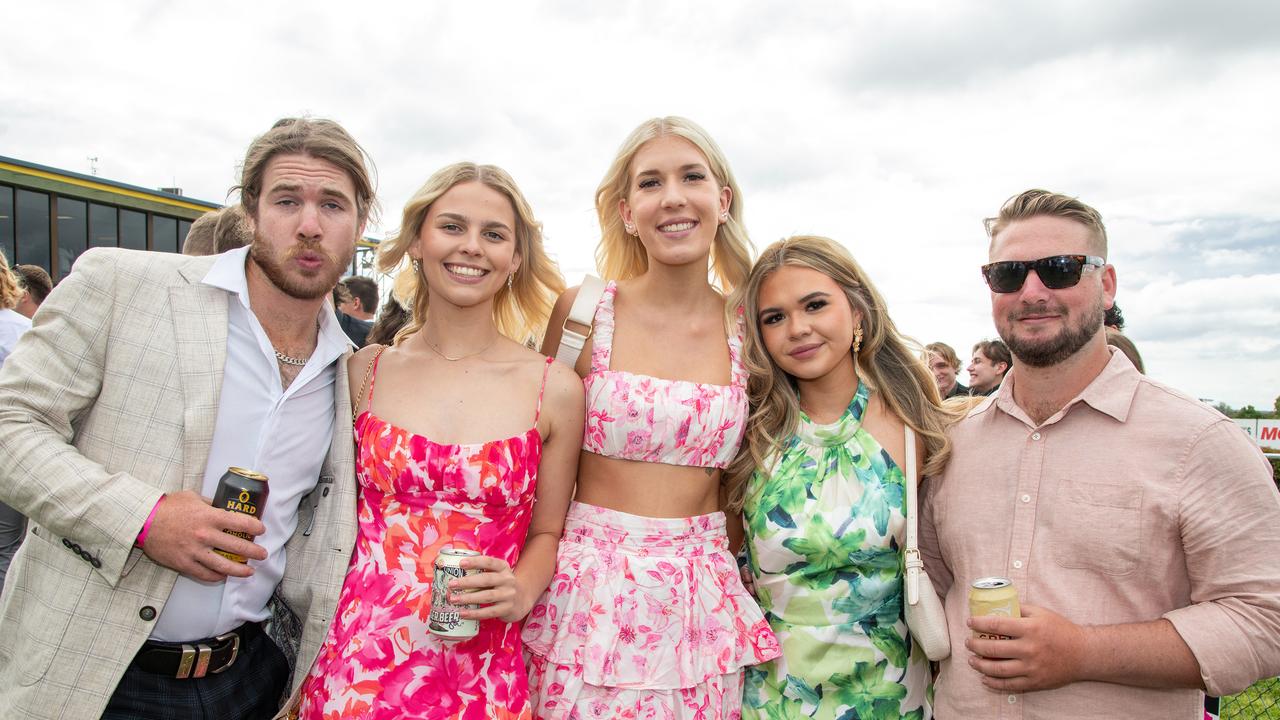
[49, 216]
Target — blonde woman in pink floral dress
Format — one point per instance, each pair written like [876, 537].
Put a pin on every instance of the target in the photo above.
[646, 617]
[460, 429]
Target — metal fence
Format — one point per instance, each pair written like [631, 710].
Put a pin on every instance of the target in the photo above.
[1259, 702]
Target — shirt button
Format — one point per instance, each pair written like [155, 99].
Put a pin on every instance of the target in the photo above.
[1034, 436]
[147, 613]
[1013, 699]
[1026, 498]
[1017, 565]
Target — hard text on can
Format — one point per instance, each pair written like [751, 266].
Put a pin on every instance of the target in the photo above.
[993, 596]
[241, 491]
[444, 620]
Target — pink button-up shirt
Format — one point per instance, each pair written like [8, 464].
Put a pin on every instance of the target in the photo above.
[1133, 503]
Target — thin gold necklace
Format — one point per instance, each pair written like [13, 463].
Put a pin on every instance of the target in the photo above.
[437, 350]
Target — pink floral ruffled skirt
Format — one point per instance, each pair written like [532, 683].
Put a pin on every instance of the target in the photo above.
[644, 618]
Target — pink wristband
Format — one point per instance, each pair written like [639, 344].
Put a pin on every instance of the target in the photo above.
[146, 526]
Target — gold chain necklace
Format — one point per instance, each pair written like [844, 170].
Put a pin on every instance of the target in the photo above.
[437, 351]
[290, 360]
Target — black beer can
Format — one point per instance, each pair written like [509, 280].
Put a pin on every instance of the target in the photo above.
[241, 491]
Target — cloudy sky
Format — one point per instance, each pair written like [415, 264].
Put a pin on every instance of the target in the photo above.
[894, 127]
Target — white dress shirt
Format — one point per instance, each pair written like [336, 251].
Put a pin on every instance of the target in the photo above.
[12, 325]
[281, 433]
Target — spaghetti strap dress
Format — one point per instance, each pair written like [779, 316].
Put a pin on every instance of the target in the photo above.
[417, 497]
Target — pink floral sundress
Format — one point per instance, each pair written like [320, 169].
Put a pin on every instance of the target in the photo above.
[416, 497]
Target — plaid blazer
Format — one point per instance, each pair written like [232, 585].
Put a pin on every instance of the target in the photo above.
[109, 401]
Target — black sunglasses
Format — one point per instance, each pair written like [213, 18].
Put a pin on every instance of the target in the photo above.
[1056, 272]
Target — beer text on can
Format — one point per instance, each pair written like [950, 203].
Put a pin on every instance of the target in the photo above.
[241, 491]
[444, 620]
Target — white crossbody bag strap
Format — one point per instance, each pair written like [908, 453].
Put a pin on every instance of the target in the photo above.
[911, 553]
[582, 312]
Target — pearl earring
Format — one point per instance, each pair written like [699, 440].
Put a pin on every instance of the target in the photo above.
[417, 264]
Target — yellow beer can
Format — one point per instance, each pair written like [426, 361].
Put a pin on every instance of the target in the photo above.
[993, 596]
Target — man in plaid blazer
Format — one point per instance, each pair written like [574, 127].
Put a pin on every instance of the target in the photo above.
[144, 376]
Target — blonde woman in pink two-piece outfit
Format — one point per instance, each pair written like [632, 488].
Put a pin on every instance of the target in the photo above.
[646, 616]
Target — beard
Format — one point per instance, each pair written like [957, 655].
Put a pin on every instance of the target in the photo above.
[299, 283]
[1046, 352]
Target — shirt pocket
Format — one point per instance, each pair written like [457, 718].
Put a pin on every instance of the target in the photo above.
[1097, 527]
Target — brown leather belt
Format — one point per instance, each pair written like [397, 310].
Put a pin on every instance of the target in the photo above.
[195, 659]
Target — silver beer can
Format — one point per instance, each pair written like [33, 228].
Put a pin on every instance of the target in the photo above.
[444, 620]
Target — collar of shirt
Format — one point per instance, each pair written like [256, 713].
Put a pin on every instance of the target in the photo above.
[228, 274]
[1111, 392]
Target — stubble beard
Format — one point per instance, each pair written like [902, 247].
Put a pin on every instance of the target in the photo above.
[302, 284]
[1047, 352]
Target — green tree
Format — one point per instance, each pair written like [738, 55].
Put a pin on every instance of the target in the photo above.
[1249, 412]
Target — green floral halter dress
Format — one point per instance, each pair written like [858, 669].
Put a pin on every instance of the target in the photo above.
[824, 532]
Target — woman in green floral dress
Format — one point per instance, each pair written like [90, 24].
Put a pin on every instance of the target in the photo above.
[820, 486]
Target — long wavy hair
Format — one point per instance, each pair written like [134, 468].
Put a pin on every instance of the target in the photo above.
[886, 361]
[10, 288]
[621, 256]
[521, 312]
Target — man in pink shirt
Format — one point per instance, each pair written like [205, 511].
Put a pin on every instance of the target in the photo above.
[1140, 527]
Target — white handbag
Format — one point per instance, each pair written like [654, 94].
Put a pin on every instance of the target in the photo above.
[925, 616]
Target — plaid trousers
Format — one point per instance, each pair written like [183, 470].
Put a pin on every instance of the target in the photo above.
[251, 689]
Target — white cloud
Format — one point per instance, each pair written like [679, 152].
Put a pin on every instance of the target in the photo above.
[894, 128]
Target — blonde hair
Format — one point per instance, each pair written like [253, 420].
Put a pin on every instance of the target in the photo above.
[403, 286]
[886, 361]
[621, 256]
[521, 312]
[1036, 202]
[10, 290]
[942, 350]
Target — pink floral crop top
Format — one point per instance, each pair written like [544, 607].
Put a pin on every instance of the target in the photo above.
[678, 422]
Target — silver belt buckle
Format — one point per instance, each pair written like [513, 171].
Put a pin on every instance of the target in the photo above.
[235, 651]
[187, 661]
[203, 654]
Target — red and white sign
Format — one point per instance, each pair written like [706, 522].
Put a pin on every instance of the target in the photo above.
[1269, 433]
[1266, 433]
